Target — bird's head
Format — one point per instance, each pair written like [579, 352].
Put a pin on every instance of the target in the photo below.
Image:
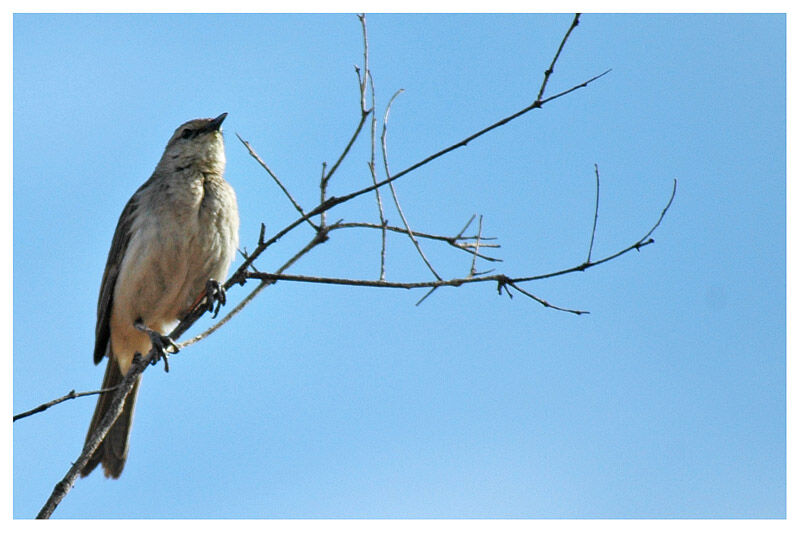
[196, 143]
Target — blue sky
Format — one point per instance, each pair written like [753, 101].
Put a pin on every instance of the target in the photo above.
[668, 400]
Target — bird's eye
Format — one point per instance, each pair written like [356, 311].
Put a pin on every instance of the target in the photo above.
[185, 134]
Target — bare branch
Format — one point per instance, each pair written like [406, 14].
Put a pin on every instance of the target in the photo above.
[641, 243]
[545, 302]
[336, 200]
[472, 270]
[596, 209]
[71, 395]
[364, 114]
[426, 295]
[455, 282]
[371, 165]
[549, 71]
[394, 192]
[261, 162]
[363, 81]
[373, 175]
[323, 191]
[349, 144]
[63, 487]
[663, 212]
[460, 233]
[464, 142]
[455, 242]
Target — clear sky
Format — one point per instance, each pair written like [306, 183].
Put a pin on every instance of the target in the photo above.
[667, 400]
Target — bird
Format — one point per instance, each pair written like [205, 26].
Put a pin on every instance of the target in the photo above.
[176, 237]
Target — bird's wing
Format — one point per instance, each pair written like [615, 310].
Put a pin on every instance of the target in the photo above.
[119, 245]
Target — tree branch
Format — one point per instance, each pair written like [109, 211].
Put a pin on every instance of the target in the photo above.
[596, 209]
[502, 279]
[385, 153]
[334, 200]
[274, 177]
[458, 242]
[71, 395]
[63, 487]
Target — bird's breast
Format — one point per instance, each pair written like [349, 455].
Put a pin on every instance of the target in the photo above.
[184, 233]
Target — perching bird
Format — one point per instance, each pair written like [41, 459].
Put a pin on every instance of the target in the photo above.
[177, 232]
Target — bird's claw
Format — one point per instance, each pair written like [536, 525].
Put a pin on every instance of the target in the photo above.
[214, 297]
[161, 344]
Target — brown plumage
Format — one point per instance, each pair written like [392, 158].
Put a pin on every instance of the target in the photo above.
[178, 230]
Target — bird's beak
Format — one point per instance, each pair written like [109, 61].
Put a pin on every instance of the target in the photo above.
[215, 124]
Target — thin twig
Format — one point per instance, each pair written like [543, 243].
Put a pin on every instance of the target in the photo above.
[460, 233]
[596, 209]
[472, 270]
[549, 71]
[71, 395]
[450, 240]
[663, 211]
[274, 177]
[362, 18]
[323, 188]
[362, 87]
[384, 223]
[394, 192]
[425, 296]
[545, 302]
[373, 128]
[455, 282]
[455, 242]
[364, 114]
[641, 243]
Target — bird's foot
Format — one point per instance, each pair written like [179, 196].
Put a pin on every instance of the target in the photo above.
[161, 344]
[214, 297]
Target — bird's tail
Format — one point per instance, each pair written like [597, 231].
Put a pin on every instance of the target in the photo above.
[113, 451]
